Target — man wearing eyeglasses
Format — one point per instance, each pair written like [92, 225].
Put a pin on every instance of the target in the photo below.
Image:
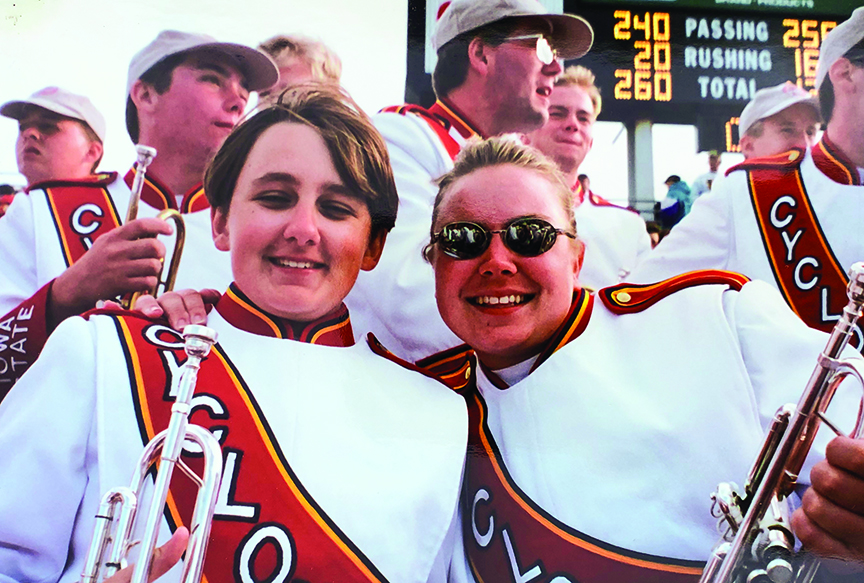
[497, 63]
[793, 219]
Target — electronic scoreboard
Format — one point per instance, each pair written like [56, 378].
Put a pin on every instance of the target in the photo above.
[686, 61]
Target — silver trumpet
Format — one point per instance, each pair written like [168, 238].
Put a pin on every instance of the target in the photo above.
[116, 519]
[145, 157]
[759, 546]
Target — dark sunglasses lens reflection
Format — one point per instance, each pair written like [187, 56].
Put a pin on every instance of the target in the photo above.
[526, 237]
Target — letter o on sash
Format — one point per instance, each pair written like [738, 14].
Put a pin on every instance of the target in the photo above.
[805, 285]
[560, 579]
[78, 213]
[776, 221]
[265, 533]
[482, 539]
[154, 333]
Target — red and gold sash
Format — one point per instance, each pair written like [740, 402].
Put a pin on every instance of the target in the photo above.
[267, 526]
[82, 212]
[160, 197]
[510, 538]
[804, 266]
[445, 121]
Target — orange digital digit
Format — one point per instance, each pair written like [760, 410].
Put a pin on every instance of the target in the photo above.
[663, 86]
[810, 33]
[661, 26]
[622, 27]
[643, 25]
[662, 57]
[623, 88]
[643, 86]
[826, 27]
[642, 60]
[790, 37]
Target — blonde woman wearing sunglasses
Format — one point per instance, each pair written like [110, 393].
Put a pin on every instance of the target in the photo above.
[600, 424]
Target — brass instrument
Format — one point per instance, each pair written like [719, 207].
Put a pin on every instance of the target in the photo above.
[759, 546]
[115, 520]
[145, 157]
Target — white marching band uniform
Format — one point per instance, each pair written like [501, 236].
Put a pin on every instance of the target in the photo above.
[615, 240]
[379, 448]
[35, 251]
[620, 436]
[396, 300]
[723, 231]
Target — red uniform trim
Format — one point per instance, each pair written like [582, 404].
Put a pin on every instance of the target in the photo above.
[333, 329]
[23, 333]
[270, 525]
[160, 197]
[454, 366]
[441, 117]
[100, 179]
[508, 535]
[379, 349]
[785, 160]
[627, 298]
[833, 163]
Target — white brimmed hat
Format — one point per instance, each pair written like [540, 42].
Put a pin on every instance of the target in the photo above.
[838, 41]
[772, 100]
[258, 69]
[62, 102]
[571, 35]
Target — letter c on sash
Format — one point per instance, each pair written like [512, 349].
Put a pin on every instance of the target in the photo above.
[805, 285]
[153, 335]
[776, 221]
[482, 539]
[278, 536]
[91, 226]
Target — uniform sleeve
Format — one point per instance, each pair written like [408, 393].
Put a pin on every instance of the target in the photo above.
[18, 276]
[396, 300]
[702, 240]
[780, 353]
[23, 302]
[45, 437]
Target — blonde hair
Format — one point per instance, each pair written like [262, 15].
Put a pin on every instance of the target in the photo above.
[325, 64]
[498, 151]
[579, 76]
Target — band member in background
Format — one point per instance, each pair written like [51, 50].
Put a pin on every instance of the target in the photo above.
[646, 397]
[792, 219]
[778, 119]
[614, 237]
[496, 66]
[62, 247]
[340, 464]
[300, 59]
[60, 135]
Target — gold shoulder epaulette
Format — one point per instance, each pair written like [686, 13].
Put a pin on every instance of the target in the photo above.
[787, 160]
[98, 180]
[628, 298]
[431, 371]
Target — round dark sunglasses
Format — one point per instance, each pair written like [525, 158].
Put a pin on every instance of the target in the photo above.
[526, 237]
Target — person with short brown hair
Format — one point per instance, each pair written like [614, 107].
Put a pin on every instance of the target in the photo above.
[341, 462]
